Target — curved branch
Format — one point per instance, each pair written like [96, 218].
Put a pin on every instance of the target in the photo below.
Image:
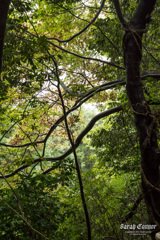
[78, 140]
[117, 49]
[119, 13]
[85, 131]
[86, 58]
[80, 56]
[85, 28]
[84, 99]
[38, 160]
[16, 171]
[103, 87]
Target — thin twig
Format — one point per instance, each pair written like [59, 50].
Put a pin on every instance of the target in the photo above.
[15, 194]
[23, 218]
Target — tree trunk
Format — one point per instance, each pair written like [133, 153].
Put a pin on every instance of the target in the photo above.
[144, 118]
[4, 6]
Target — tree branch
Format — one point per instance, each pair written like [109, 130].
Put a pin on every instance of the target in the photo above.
[131, 213]
[24, 219]
[85, 28]
[86, 130]
[78, 140]
[119, 13]
[71, 140]
[80, 56]
[117, 49]
[154, 74]
[77, 104]
[86, 58]
[15, 194]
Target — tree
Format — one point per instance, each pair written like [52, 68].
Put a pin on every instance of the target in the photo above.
[48, 73]
[145, 121]
[3, 20]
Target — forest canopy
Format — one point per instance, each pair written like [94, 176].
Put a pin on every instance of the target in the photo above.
[79, 119]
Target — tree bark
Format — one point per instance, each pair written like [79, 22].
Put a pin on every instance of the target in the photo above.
[144, 118]
[4, 6]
